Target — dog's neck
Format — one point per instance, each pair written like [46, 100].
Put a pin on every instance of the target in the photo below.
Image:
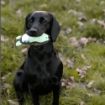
[41, 49]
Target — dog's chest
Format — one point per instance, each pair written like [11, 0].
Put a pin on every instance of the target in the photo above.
[40, 68]
[42, 82]
[42, 74]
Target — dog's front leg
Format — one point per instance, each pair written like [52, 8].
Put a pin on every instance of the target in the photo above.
[56, 94]
[35, 97]
[20, 97]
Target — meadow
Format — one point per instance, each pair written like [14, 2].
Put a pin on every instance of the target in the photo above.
[80, 45]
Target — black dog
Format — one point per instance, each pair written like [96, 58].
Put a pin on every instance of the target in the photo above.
[42, 70]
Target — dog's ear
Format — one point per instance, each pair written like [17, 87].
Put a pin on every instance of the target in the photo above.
[54, 28]
[26, 27]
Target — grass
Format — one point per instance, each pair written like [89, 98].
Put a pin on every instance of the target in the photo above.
[93, 54]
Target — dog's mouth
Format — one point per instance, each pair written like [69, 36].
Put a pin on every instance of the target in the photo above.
[33, 32]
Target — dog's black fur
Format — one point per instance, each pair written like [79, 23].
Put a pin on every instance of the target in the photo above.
[42, 69]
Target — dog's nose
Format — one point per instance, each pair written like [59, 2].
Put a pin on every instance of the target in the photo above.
[32, 32]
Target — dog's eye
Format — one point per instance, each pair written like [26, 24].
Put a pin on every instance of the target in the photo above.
[42, 20]
[31, 20]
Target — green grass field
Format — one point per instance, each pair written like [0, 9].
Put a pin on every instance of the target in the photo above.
[84, 68]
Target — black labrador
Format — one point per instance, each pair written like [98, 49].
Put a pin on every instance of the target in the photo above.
[42, 69]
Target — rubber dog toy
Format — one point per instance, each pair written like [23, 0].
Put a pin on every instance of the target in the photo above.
[26, 39]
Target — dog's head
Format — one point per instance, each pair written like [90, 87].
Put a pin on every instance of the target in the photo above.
[40, 22]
